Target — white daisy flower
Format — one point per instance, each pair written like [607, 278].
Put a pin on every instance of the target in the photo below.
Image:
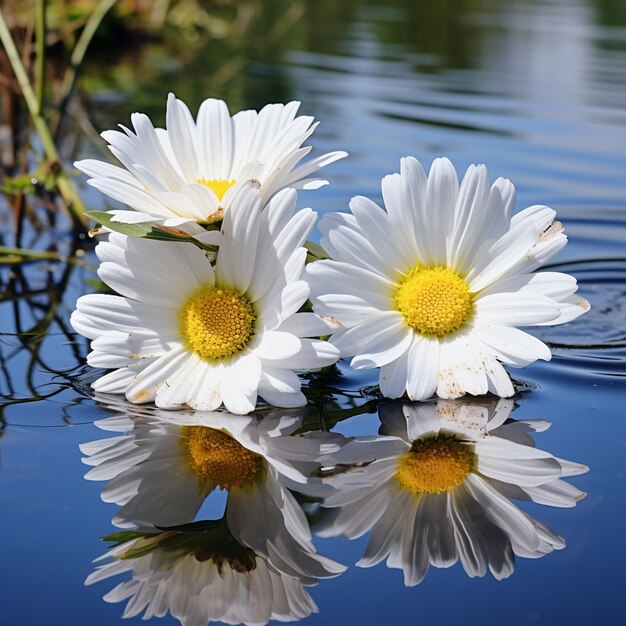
[184, 333]
[201, 575]
[193, 169]
[433, 289]
[166, 464]
[437, 490]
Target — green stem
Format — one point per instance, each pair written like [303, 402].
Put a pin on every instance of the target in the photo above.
[66, 188]
[40, 63]
[79, 51]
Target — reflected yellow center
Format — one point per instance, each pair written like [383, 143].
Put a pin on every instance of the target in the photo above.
[435, 465]
[217, 323]
[434, 300]
[219, 459]
[218, 186]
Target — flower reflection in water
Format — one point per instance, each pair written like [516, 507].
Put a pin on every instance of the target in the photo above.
[201, 573]
[434, 489]
[166, 464]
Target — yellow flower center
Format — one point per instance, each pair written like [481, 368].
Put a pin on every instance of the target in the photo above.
[434, 300]
[218, 186]
[217, 323]
[219, 459]
[435, 465]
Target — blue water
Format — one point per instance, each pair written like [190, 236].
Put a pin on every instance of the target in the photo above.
[536, 91]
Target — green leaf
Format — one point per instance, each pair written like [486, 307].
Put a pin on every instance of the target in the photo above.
[124, 536]
[316, 252]
[146, 230]
[132, 230]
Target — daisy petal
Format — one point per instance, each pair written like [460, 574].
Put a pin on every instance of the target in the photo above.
[508, 251]
[570, 308]
[442, 190]
[116, 381]
[470, 215]
[181, 128]
[308, 325]
[516, 309]
[235, 262]
[393, 377]
[382, 329]
[384, 348]
[423, 365]
[204, 394]
[312, 354]
[374, 223]
[550, 284]
[276, 346]
[513, 346]
[215, 139]
[414, 223]
[281, 387]
[239, 384]
[360, 283]
[145, 385]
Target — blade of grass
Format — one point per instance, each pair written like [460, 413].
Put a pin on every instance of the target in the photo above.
[40, 63]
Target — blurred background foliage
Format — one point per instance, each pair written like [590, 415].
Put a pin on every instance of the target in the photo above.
[92, 62]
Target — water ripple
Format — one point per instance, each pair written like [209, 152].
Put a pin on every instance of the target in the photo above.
[596, 342]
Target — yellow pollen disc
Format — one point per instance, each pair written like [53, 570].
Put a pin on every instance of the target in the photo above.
[435, 465]
[218, 186]
[434, 300]
[218, 458]
[217, 323]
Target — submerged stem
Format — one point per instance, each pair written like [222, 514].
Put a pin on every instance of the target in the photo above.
[31, 254]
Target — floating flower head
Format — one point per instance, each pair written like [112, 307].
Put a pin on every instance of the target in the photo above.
[436, 489]
[433, 289]
[161, 470]
[193, 169]
[182, 332]
[201, 574]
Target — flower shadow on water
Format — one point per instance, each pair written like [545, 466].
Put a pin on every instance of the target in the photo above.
[200, 574]
[436, 486]
[250, 566]
[433, 488]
